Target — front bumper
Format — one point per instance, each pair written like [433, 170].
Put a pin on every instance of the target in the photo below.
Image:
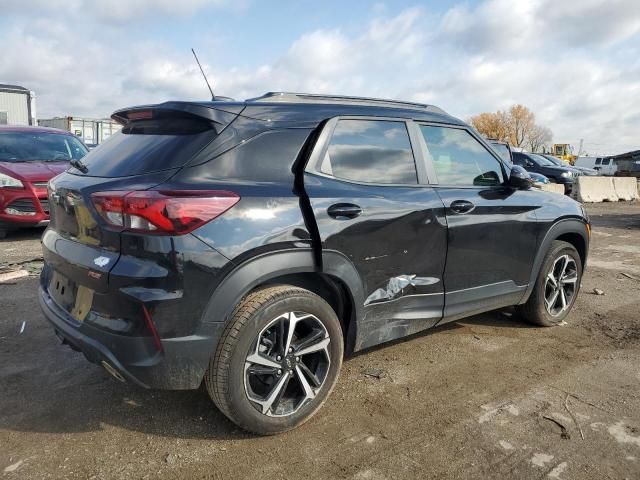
[9, 225]
[565, 180]
[23, 208]
[179, 366]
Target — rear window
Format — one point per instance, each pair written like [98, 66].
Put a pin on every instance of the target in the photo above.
[150, 145]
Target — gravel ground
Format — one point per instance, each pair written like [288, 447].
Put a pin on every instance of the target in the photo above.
[486, 397]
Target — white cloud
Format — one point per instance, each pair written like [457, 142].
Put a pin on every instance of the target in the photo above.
[575, 64]
[118, 10]
[522, 26]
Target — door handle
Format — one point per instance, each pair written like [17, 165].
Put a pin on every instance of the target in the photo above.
[343, 211]
[462, 206]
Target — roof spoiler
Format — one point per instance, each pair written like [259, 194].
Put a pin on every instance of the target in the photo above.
[218, 116]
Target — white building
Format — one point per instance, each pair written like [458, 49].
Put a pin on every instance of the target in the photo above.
[17, 105]
[92, 131]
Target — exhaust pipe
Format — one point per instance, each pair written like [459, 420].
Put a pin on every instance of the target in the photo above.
[114, 373]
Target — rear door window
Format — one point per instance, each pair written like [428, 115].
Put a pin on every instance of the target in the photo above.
[150, 145]
[371, 151]
[459, 159]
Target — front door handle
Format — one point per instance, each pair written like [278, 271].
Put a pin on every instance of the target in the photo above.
[343, 211]
[462, 206]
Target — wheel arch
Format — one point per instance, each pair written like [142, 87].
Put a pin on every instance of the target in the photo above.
[570, 230]
[578, 241]
[337, 282]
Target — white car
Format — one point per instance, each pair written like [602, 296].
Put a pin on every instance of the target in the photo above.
[604, 165]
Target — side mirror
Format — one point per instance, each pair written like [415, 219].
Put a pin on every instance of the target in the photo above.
[519, 178]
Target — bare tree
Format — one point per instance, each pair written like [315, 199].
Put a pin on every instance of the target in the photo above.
[492, 125]
[521, 122]
[516, 126]
[538, 138]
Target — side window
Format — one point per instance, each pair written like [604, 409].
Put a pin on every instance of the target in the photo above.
[518, 160]
[598, 161]
[606, 161]
[459, 159]
[373, 151]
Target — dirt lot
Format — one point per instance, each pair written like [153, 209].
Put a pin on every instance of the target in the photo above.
[487, 397]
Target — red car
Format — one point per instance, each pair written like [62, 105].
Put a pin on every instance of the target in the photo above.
[29, 158]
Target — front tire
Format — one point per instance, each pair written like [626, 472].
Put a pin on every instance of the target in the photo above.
[556, 287]
[277, 360]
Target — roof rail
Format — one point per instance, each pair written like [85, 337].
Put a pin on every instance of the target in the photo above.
[289, 97]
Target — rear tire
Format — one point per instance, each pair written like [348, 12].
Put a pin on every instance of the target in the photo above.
[556, 287]
[260, 376]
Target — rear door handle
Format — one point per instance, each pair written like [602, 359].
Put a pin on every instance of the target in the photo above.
[343, 211]
[462, 206]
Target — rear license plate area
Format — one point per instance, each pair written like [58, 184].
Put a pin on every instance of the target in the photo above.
[74, 299]
[62, 290]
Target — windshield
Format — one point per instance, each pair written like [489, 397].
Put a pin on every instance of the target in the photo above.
[39, 147]
[555, 161]
[540, 160]
[503, 150]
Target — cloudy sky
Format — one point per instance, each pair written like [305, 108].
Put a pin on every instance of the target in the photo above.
[576, 64]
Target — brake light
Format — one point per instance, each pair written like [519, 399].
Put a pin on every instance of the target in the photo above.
[140, 115]
[161, 211]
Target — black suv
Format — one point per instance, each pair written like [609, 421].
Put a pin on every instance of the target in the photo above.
[533, 162]
[250, 245]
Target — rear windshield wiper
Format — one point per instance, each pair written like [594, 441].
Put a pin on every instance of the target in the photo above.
[79, 165]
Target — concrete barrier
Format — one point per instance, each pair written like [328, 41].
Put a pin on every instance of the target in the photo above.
[595, 189]
[553, 187]
[626, 188]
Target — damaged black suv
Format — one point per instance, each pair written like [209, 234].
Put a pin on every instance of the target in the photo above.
[251, 244]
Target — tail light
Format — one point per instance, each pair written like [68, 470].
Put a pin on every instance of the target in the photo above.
[162, 212]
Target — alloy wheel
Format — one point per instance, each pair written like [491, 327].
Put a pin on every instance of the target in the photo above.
[560, 285]
[288, 364]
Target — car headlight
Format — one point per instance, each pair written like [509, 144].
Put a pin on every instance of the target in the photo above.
[566, 174]
[7, 181]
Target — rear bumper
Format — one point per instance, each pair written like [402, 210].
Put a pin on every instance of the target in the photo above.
[179, 366]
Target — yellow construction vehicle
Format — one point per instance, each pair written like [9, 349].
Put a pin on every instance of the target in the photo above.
[564, 152]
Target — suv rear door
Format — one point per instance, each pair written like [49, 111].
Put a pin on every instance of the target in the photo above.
[492, 228]
[366, 185]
